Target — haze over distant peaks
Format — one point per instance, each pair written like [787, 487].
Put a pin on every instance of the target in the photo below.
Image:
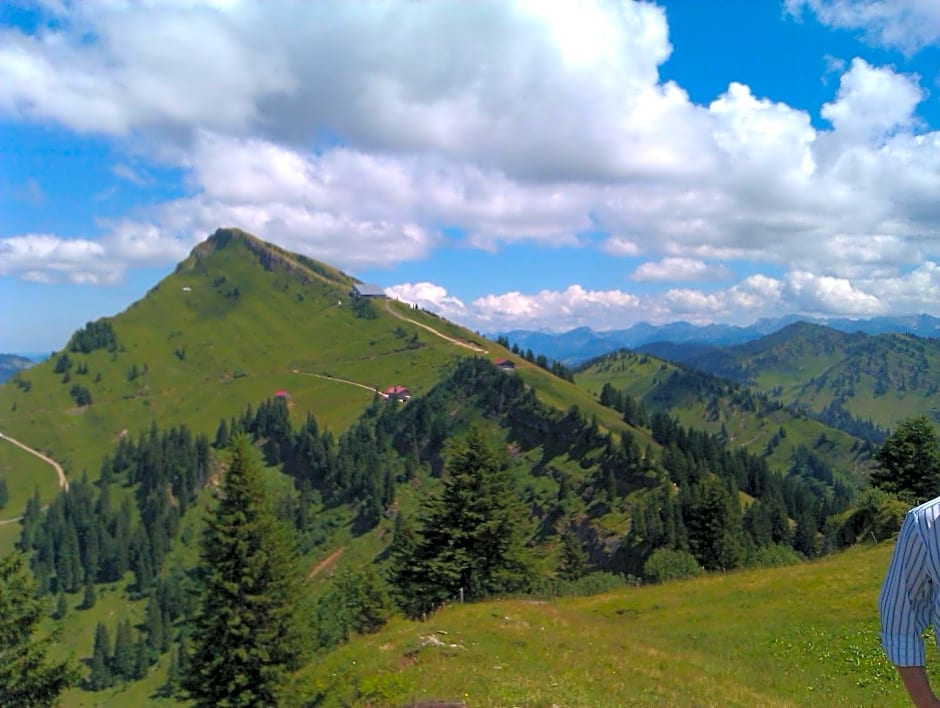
[583, 343]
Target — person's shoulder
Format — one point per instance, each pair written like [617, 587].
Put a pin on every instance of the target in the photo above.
[927, 510]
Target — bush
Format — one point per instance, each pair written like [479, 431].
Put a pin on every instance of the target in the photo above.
[667, 564]
[776, 554]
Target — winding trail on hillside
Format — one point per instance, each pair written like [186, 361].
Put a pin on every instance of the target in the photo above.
[63, 481]
[323, 564]
[429, 328]
[370, 389]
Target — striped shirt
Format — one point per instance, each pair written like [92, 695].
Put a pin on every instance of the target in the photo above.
[910, 596]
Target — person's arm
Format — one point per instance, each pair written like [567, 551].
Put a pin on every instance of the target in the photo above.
[906, 609]
[918, 686]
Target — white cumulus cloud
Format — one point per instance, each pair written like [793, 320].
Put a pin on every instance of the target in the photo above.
[909, 25]
[680, 269]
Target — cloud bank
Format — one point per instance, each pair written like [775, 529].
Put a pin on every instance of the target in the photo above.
[356, 133]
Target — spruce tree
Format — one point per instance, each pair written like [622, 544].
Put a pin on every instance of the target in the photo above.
[247, 634]
[714, 524]
[155, 631]
[573, 558]
[90, 594]
[909, 461]
[26, 677]
[172, 684]
[472, 539]
[124, 661]
[62, 607]
[101, 676]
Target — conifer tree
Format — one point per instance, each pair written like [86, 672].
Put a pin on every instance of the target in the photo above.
[404, 575]
[101, 676]
[573, 558]
[247, 634]
[62, 607]
[172, 684]
[26, 677]
[221, 436]
[155, 638]
[124, 661]
[714, 523]
[90, 595]
[472, 540]
[909, 461]
[142, 659]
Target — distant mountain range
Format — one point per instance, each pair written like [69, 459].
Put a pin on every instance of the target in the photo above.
[11, 363]
[581, 344]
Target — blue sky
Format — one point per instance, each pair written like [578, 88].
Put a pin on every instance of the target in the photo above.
[510, 165]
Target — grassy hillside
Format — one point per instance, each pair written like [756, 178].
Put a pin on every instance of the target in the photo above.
[881, 379]
[704, 402]
[795, 636]
[237, 321]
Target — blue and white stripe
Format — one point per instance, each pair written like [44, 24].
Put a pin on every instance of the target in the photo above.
[910, 596]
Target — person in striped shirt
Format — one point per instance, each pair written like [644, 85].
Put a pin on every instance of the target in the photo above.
[910, 599]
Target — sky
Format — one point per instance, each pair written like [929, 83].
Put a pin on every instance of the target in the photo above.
[509, 165]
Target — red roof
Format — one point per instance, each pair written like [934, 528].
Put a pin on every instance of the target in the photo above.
[282, 393]
[396, 390]
[504, 362]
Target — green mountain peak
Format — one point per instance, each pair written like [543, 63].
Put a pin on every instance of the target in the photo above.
[269, 256]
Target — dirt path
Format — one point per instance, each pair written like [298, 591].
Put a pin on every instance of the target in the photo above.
[452, 340]
[326, 562]
[371, 389]
[63, 482]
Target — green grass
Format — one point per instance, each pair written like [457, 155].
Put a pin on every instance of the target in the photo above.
[24, 474]
[802, 635]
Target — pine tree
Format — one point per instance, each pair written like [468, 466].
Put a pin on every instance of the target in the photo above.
[172, 684]
[90, 595]
[26, 677]
[404, 576]
[247, 634]
[155, 631]
[221, 436]
[101, 676]
[124, 661]
[142, 659]
[62, 607]
[909, 461]
[472, 537]
[573, 557]
[714, 525]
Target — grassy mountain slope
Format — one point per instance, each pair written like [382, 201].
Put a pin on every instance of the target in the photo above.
[799, 635]
[704, 402]
[881, 378]
[237, 321]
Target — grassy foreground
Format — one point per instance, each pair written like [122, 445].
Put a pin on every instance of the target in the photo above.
[803, 635]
